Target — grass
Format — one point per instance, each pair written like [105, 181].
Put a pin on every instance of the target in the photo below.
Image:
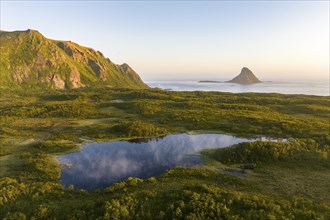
[38, 125]
[294, 179]
[288, 179]
[298, 170]
[65, 59]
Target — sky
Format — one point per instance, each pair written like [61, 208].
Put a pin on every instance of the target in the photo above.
[166, 40]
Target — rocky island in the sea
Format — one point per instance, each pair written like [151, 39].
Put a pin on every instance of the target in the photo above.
[245, 77]
[209, 81]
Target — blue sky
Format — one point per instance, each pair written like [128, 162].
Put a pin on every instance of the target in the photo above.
[189, 39]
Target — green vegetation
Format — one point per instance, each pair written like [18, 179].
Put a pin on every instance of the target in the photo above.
[261, 151]
[138, 129]
[28, 60]
[299, 167]
[280, 180]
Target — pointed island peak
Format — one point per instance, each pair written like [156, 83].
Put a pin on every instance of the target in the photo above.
[246, 69]
[245, 77]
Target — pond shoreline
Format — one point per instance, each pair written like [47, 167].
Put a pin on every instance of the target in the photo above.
[105, 163]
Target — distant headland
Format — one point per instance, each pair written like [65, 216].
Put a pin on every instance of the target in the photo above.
[209, 81]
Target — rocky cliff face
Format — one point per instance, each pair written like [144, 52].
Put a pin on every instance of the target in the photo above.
[245, 77]
[29, 59]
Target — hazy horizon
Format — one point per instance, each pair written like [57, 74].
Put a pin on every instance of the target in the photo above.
[227, 77]
[190, 39]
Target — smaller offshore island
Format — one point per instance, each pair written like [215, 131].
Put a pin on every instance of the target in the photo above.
[245, 77]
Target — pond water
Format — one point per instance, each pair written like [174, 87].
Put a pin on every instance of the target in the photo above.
[98, 165]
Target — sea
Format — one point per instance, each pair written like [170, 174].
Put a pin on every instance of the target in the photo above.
[319, 88]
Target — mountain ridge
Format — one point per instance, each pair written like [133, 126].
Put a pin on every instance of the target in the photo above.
[28, 59]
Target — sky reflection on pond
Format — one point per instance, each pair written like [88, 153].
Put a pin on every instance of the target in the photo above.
[98, 165]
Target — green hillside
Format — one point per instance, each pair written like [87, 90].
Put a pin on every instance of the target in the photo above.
[28, 59]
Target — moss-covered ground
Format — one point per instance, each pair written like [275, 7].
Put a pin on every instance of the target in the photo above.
[287, 180]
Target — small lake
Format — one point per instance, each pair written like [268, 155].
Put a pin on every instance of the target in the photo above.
[98, 165]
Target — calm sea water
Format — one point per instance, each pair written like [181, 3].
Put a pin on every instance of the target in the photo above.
[321, 88]
[98, 165]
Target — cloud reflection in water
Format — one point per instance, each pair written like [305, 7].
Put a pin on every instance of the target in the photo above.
[99, 165]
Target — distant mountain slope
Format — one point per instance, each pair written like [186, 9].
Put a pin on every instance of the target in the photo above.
[28, 59]
[245, 77]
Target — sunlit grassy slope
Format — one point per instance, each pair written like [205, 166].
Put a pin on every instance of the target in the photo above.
[28, 59]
